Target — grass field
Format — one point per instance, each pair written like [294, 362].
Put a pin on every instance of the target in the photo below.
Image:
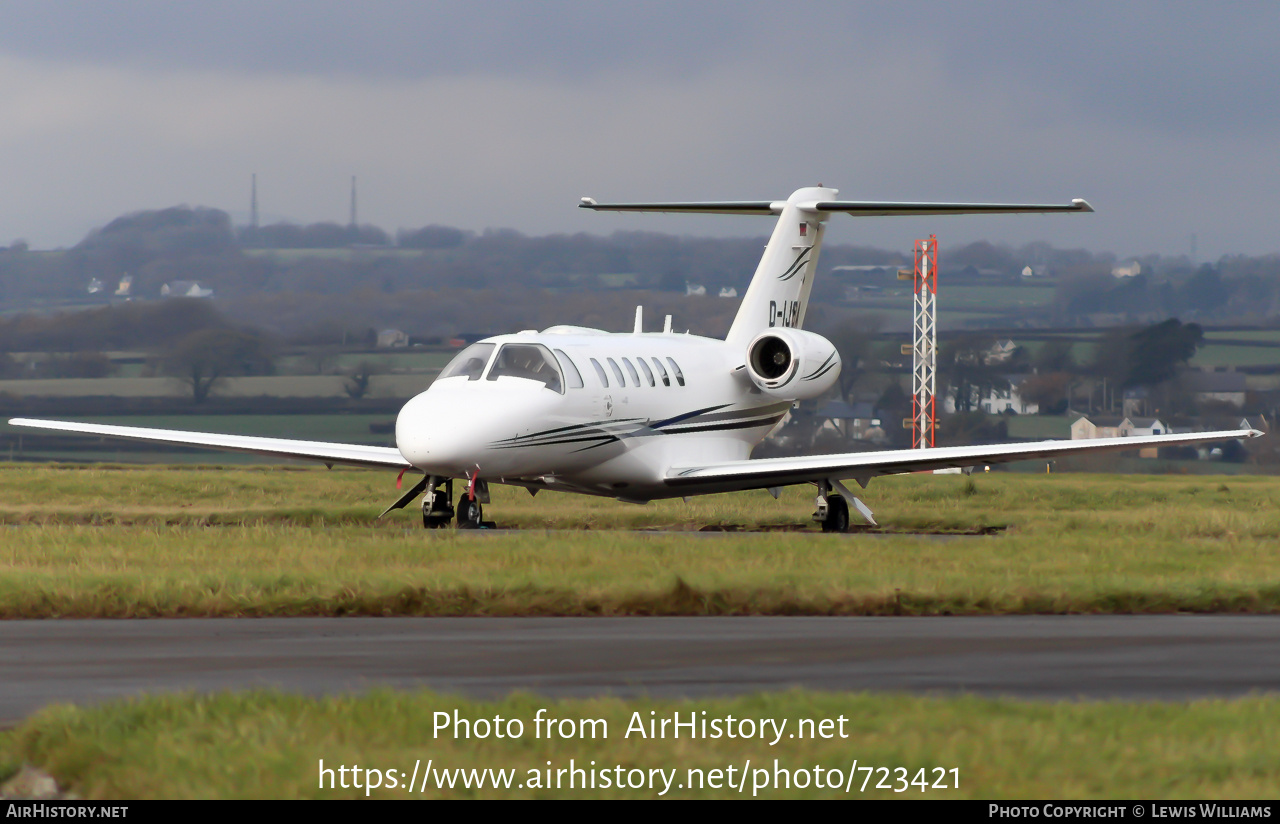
[1004, 297]
[391, 360]
[138, 542]
[269, 745]
[1214, 354]
[1262, 336]
[266, 541]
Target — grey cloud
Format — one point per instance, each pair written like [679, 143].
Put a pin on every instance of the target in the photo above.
[1163, 114]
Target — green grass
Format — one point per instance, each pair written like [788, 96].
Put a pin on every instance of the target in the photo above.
[250, 542]
[389, 361]
[1214, 354]
[269, 745]
[1002, 297]
[1041, 427]
[1262, 336]
[132, 542]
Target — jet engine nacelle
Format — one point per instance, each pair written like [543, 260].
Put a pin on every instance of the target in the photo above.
[792, 364]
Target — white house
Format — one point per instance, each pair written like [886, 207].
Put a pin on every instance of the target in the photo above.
[1126, 270]
[392, 339]
[1099, 426]
[185, 289]
[995, 402]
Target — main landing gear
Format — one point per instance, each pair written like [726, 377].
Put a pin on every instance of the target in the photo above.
[832, 510]
[437, 506]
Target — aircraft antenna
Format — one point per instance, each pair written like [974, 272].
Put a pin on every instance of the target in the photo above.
[924, 346]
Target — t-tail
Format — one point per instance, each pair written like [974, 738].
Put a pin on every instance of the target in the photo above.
[779, 292]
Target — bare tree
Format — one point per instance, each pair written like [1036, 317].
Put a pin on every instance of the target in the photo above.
[204, 359]
[359, 377]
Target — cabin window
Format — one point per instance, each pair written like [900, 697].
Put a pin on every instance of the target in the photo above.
[617, 373]
[675, 368]
[604, 380]
[662, 370]
[571, 373]
[635, 376]
[529, 361]
[470, 362]
[648, 373]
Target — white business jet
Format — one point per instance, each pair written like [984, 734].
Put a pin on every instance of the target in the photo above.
[640, 416]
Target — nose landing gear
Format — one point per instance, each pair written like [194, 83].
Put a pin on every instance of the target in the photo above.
[470, 514]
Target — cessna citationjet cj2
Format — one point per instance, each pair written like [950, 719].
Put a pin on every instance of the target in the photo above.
[640, 416]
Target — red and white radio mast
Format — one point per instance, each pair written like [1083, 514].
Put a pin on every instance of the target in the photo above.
[924, 346]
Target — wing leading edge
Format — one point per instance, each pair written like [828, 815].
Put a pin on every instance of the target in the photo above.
[329, 453]
[863, 466]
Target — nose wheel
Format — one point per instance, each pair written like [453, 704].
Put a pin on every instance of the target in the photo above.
[470, 514]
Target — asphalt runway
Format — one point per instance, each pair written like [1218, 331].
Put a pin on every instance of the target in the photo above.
[1039, 657]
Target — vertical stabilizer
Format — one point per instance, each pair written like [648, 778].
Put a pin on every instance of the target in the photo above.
[779, 290]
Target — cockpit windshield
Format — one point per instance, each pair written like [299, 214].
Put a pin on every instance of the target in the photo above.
[527, 360]
[470, 362]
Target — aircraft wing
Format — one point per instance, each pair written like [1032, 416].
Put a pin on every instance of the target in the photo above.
[863, 466]
[328, 453]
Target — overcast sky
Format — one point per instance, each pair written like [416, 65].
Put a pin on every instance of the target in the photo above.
[1164, 115]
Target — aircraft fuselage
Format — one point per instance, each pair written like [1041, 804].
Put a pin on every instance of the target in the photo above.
[619, 410]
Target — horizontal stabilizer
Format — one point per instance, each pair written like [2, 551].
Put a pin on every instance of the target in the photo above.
[329, 453]
[869, 208]
[855, 208]
[723, 207]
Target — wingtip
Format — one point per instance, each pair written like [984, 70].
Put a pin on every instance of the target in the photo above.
[1081, 204]
[1256, 433]
[587, 203]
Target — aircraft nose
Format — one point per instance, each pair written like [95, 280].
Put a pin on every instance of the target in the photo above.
[450, 432]
[431, 435]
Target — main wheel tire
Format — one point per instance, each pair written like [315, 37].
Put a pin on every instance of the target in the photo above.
[469, 513]
[837, 519]
[432, 521]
